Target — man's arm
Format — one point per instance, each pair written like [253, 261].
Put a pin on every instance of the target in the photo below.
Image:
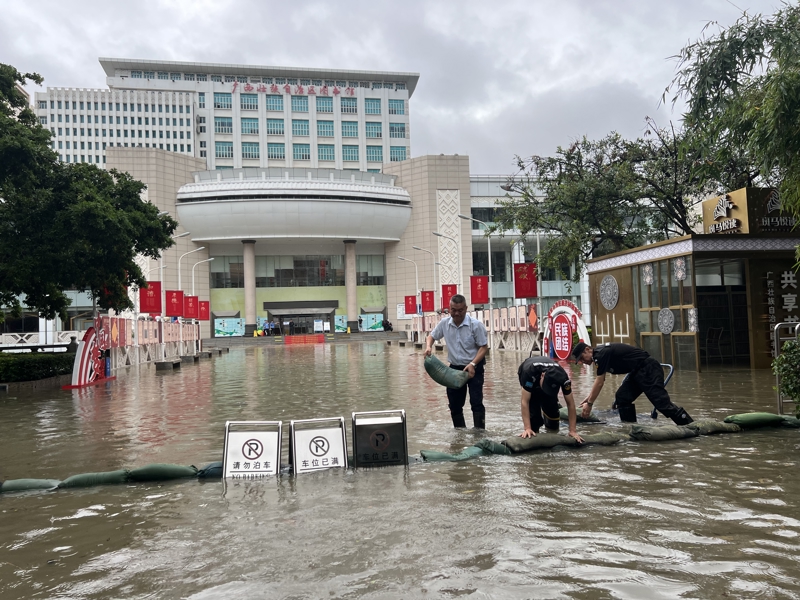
[586, 405]
[573, 419]
[429, 345]
[525, 402]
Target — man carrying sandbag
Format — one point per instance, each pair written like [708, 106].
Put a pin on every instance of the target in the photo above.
[466, 347]
[541, 378]
[646, 376]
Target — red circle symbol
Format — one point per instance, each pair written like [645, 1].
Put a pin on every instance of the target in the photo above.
[562, 336]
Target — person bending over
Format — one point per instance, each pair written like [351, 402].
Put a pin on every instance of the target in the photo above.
[541, 378]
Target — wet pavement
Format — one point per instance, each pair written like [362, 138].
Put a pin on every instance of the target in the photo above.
[709, 517]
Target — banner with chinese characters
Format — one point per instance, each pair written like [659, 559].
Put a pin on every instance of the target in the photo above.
[174, 306]
[204, 310]
[150, 298]
[448, 291]
[479, 289]
[411, 305]
[191, 309]
[778, 300]
[562, 336]
[428, 302]
[525, 280]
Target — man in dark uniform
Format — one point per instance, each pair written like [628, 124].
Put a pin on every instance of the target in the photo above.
[646, 376]
[541, 378]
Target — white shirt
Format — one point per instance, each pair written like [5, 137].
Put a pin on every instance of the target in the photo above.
[462, 340]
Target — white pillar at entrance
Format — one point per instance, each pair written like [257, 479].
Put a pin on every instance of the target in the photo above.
[249, 286]
[350, 284]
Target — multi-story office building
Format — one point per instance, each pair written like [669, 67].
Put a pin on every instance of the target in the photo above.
[235, 115]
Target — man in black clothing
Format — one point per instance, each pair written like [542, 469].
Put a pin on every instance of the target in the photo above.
[541, 378]
[646, 376]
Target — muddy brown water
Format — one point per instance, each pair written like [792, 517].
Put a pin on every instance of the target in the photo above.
[710, 517]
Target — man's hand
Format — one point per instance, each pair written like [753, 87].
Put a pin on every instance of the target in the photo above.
[427, 351]
[574, 435]
[528, 433]
[586, 409]
[471, 370]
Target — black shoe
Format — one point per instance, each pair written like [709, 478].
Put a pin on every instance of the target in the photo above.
[458, 420]
[479, 419]
[682, 418]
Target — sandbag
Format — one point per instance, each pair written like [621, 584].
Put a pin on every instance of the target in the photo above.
[20, 485]
[465, 454]
[712, 426]
[754, 420]
[563, 414]
[608, 438]
[491, 447]
[90, 479]
[211, 471]
[792, 422]
[162, 472]
[543, 440]
[444, 375]
[647, 433]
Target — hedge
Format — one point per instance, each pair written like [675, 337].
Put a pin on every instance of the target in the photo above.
[33, 366]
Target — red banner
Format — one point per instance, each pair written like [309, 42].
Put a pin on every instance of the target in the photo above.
[448, 291]
[150, 298]
[174, 306]
[191, 309]
[525, 280]
[479, 289]
[411, 305]
[204, 311]
[428, 302]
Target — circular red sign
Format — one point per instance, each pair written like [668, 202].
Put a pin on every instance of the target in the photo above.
[562, 336]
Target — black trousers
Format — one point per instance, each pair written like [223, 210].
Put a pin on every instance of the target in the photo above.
[457, 398]
[544, 411]
[648, 380]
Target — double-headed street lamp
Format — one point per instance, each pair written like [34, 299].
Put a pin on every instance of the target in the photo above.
[179, 264]
[433, 257]
[491, 311]
[195, 264]
[460, 263]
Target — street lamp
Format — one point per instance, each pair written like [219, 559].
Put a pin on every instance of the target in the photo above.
[460, 261]
[179, 263]
[489, 244]
[416, 275]
[161, 256]
[193, 266]
[435, 289]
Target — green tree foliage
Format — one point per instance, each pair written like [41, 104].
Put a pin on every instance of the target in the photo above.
[66, 226]
[787, 368]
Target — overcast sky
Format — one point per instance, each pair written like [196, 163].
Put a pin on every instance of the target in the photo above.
[497, 78]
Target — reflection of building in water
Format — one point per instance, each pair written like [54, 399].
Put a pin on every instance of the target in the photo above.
[708, 299]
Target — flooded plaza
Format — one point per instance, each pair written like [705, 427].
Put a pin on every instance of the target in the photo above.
[709, 517]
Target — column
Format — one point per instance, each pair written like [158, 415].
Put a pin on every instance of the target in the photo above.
[350, 284]
[249, 287]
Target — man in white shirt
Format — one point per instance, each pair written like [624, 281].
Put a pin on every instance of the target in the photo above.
[466, 348]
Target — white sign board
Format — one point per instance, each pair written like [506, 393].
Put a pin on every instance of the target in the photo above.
[317, 325]
[326, 326]
[401, 312]
[251, 454]
[317, 449]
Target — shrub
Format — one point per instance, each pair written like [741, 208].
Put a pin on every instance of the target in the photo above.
[787, 368]
[35, 365]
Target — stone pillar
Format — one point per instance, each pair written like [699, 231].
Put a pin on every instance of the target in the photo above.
[350, 284]
[249, 287]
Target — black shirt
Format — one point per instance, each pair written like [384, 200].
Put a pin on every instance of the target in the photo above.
[618, 359]
[531, 371]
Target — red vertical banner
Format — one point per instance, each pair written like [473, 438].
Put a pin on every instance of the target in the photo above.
[204, 310]
[174, 306]
[525, 280]
[479, 289]
[150, 298]
[191, 310]
[411, 305]
[428, 302]
[448, 291]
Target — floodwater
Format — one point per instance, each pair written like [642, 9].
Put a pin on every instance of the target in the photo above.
[710, 517]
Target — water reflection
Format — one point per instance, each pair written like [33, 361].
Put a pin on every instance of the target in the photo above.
[702, 518]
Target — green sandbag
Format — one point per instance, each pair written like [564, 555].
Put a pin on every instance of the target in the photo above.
[609, 438]
[212, 471]
[543, 440]
[755, 419]
[444, 375]
[20, 485]
[647, 433]
[792, 422]
[563, 413]
[491, 447]
[161, 472]
[712, 426]
[91, 479]
[466, 454]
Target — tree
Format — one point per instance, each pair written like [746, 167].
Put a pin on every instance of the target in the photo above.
[66, 226]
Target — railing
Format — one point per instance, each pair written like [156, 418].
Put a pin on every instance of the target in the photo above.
[11, 340]
[777, 344]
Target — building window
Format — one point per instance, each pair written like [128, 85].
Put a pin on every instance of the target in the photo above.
[326, 152]
[224, 149]
[149, 75]
[229, 78]
[372, 106]
[202, 144]
[350, 153]
[216, 78]
[250, 150]
[300, 127]
[201, 100]
[375, 153]
[223, 125]
[43, 120]
[162, 75]
[349, 128]
[300, 103]
[250, 126]
[397, 107]
[325, 128]
[222, 100]
[203, 154]
[324, 104]
[275, 127]
[397, 130]
[349, 106]
[202, 77]
[249, 101]
[301, 151]
[397, 153]
[275, 103]
[43, 104]
[277, 151]
[374, 130]
[400, 86]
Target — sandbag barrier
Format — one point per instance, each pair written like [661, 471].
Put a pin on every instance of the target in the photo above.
[513, 445]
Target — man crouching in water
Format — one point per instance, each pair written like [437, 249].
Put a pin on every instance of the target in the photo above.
[646, 375]
[541, 378]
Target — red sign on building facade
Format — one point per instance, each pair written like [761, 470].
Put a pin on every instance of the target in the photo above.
[191, 309]
[204, 311]
[479, 289]
[525, 280]
[411, 305]
[174, 306]
[150, 298]
[448, 291]
[428, 302]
